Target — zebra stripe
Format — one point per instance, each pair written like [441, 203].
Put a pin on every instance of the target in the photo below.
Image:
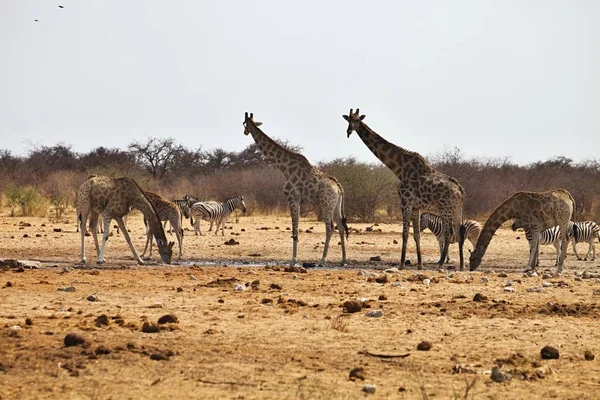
[434, 223]
[586, 231]
[215, 212]
[550, 236]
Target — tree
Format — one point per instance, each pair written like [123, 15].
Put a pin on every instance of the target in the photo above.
[157, 156]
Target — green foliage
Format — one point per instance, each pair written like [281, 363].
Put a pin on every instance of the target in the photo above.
[31, 202]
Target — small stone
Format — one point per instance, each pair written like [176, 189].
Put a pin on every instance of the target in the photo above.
[369, 388]
[395, 241]
[426, 282]
[479, 297]
[536, 289]
[397, 284]
[502, 275]
[101, 320]
[577, 279]
[547, 276]
[69, 289]
[357, 373]
[382, 279]
[73, 339]
[375, 258]
[156, 305]
[92, 297]
[382, 297]
[596, 292]
[484, 279]
[499, 376]
[424, 346]
[149, 327]
[392, 270]
[362, 272]
[352, 306]
[193, 278]
[549, 353]
[168, 319]
[28, 321]
[101, 350]
[510, 283]
[589, 356]
[239, 287]
[547, 284]
[509, 289]
[275, 286]
[374, 314]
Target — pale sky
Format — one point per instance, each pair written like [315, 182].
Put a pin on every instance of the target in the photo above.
[517, 79]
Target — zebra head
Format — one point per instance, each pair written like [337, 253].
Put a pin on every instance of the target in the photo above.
[240, 204]
[249, 123]
[354, 121]
[190, 200]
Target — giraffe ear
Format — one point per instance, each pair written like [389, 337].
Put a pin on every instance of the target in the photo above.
[362, 117]
[258, 123]
[346, 117]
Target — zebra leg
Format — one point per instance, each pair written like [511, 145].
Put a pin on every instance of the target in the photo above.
[211, 225]
[222, 223]
[341, 223]
[574, 241]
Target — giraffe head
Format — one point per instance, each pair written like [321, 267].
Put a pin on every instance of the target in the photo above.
[475, 258]
[165, 250]
[249, 123]
[354, 121]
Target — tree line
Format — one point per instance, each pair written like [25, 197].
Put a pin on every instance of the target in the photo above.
[48, 177]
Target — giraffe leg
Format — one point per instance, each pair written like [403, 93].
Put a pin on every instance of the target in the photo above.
[148, 242]
[105, 234]
[328, 233]
[462, 233]
[564, 242]
[417, 237]
[94, 230]
[81, 228]
[128, 239]
[295, 212]
[533, 250]
[405, 227]
[179, 235]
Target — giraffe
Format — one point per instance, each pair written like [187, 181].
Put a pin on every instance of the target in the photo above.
[167, 211]
[113, 197]
[536, 211]
[304, 184]
[421, 189]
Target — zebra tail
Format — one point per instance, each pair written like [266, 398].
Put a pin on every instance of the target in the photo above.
[576, 233]
[344, 220]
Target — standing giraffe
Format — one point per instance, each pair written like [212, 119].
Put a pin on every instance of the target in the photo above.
[536, 211]
[167, 211]
[113, 197]
[304, 184]
[421, 189]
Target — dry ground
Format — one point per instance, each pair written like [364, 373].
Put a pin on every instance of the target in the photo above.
[283, 337]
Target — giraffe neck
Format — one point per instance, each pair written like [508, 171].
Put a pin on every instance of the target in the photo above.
[504, 212]
[399, 160]
[142, 203]
[286, 160]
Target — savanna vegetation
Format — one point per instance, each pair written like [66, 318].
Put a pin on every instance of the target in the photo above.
[45, 181]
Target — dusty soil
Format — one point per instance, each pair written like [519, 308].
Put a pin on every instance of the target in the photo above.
[286, 335]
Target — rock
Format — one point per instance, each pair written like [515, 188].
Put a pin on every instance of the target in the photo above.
[392, 270]
[397, 284]
[73, 339]
[547, 276]
[577, 279]
[69, 289]
[375, 258]
[357, 373]
[232, 242]
[57, 230]
[547, 284]
[510, 283]
[374, 314]
[426, 282]
[484, 279]
[101, 350]
[92, 297]
[382, 297]
[101, 320]
[589, 356]
[168, 319]
[550, 353]
[149, 327]
[499, 376]
[382, 279]
[535, 289]
[509, 289]
[502, 275]
[395, 241]
[157, 305]
[275, 286]
[369, 388]
[352, 306]
[193, 278]
[239, 287]
[424, 346]
[308, 265]
[479, 297]
[28, 321]
[362, 272]
[596, 292]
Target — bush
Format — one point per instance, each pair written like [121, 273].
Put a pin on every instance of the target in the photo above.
[31, 202]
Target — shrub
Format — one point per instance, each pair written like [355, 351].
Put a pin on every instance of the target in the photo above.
[31, 202]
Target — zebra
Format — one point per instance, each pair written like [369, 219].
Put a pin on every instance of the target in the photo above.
[585, 231]
[217, 212]
[469, 228]
[547, 237]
